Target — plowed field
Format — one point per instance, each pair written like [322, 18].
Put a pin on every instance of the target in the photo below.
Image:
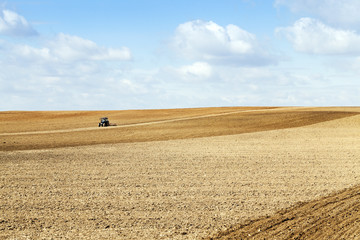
[220, 173]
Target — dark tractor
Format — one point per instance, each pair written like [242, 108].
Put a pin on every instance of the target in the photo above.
[104, 122]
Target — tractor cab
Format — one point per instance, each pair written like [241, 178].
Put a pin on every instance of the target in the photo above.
[104, 122]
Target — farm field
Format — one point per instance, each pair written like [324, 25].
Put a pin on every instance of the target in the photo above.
[213, 173]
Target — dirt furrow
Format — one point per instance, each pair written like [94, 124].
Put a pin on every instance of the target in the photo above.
[333, 217]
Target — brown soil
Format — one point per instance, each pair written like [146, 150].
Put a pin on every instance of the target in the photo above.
[215, 172]
[333, 217]
[26, 121]
[26, 132]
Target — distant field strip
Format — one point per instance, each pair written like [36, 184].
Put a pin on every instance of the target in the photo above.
[163, 126]
[145, 123]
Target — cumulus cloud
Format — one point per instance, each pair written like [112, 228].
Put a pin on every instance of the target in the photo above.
[193, 73]
[332, 11]
[312, 36]
[207, 41]
[14, 24]
[64, 72]
[196, 70]
[68, 48]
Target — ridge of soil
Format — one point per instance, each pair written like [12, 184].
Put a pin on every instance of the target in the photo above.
[332, 217]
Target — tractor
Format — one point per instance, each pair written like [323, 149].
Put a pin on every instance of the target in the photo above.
[104, 122]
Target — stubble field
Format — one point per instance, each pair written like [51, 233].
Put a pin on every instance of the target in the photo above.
[220, 173]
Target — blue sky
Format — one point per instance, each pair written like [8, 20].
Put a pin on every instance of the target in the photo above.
[89, 55]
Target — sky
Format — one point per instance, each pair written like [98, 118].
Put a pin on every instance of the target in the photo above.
[155, 54]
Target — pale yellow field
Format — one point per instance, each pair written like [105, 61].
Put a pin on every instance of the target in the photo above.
[182, 174]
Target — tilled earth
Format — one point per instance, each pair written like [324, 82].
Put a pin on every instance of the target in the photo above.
[184, 188]
[331, 217]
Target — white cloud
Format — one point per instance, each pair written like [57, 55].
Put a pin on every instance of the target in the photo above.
[67, 48]
[194, 73]
[196, 70]
[14, 24]
[54, 86]
[312, 36]
[70, 72]
[61, 73]
[207, 41]
[343, 12]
